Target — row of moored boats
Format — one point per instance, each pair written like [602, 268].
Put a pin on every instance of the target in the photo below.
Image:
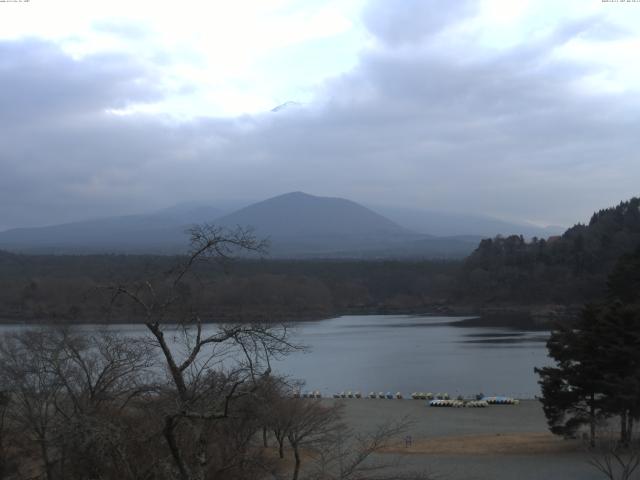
[435, 400]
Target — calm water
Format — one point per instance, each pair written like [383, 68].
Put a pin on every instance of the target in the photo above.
[416, 353]
[406, 354]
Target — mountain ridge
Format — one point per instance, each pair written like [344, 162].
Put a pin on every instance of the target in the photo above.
[298, 224]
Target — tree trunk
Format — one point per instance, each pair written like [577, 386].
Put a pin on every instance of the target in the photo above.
[296, 469]
[264, 437]
[169, 425]
[174, 370]
[45, 458]
[623, 429]
[592, 422]
[281, 447]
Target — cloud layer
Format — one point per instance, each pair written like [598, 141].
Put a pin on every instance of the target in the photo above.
[426, 120]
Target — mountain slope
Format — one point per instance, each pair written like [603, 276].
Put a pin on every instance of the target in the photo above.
[159, 232]
[298, 225]
[302, 225]
[562, 269]
[298, 214]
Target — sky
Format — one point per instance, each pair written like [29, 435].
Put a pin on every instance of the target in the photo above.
[521, 110]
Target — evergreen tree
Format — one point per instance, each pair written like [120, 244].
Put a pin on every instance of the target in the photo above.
[597, 372]
[620, 319]
[572, 391]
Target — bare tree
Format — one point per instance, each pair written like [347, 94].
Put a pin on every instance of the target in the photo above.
[273, 390]
[355, 456]
[101, 374]
[5, 463]
[97, 369]
[614, 458]
[209, 368]
[66, 392]
[33, 393]
[310, 423]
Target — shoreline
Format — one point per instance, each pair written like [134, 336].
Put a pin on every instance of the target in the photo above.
[519, 317]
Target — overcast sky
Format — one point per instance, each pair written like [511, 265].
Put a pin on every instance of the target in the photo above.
[523, 110]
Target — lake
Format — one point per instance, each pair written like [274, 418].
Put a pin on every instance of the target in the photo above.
[416, 353]
[408, 353]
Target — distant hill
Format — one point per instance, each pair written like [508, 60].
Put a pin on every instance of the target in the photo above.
[297, 224]
[159, 232]
[561, 269]
[302, 225]
[299, 214]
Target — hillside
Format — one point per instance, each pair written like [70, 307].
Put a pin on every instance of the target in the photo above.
[571, 267]
[298, 225]
[158, 232]
[298, 214]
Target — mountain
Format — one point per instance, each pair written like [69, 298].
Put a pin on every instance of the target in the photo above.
[297, 224]
[158, 232]
[303, 225]
[286, 105]
[299, 214]
[456, 224]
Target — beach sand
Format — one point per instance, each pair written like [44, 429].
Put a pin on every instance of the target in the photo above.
[496, 442]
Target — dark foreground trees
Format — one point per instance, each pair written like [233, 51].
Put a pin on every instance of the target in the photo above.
[67, 401]
[212, 369]
[182, 402]
[597, 372]
[79, 405]
[188, 400]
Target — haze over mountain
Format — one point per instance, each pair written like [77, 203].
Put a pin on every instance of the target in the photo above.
[300, 224]
[298, 214]
[437, 223]
[297, 225]
[157, 232]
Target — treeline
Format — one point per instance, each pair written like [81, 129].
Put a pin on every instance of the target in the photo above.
[571, 268]
[71, 288]
[501, 273]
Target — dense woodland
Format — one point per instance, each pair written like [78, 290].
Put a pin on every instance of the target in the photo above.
[502, 272]
[571, 268]
[61, 288]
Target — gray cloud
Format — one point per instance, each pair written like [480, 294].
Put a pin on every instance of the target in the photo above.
[410, 21]
[39, 81]
[507, 134]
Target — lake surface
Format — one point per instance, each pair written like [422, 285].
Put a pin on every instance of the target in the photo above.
[416, 353]
[408, 353]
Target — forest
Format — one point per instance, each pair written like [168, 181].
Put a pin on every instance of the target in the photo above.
[502, 273]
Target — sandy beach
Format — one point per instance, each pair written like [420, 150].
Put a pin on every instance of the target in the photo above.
[497, 442]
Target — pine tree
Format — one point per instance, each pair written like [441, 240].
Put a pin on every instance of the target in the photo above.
[597, 372]
[572, 392]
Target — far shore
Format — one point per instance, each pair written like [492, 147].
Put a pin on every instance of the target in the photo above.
[520, 317]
